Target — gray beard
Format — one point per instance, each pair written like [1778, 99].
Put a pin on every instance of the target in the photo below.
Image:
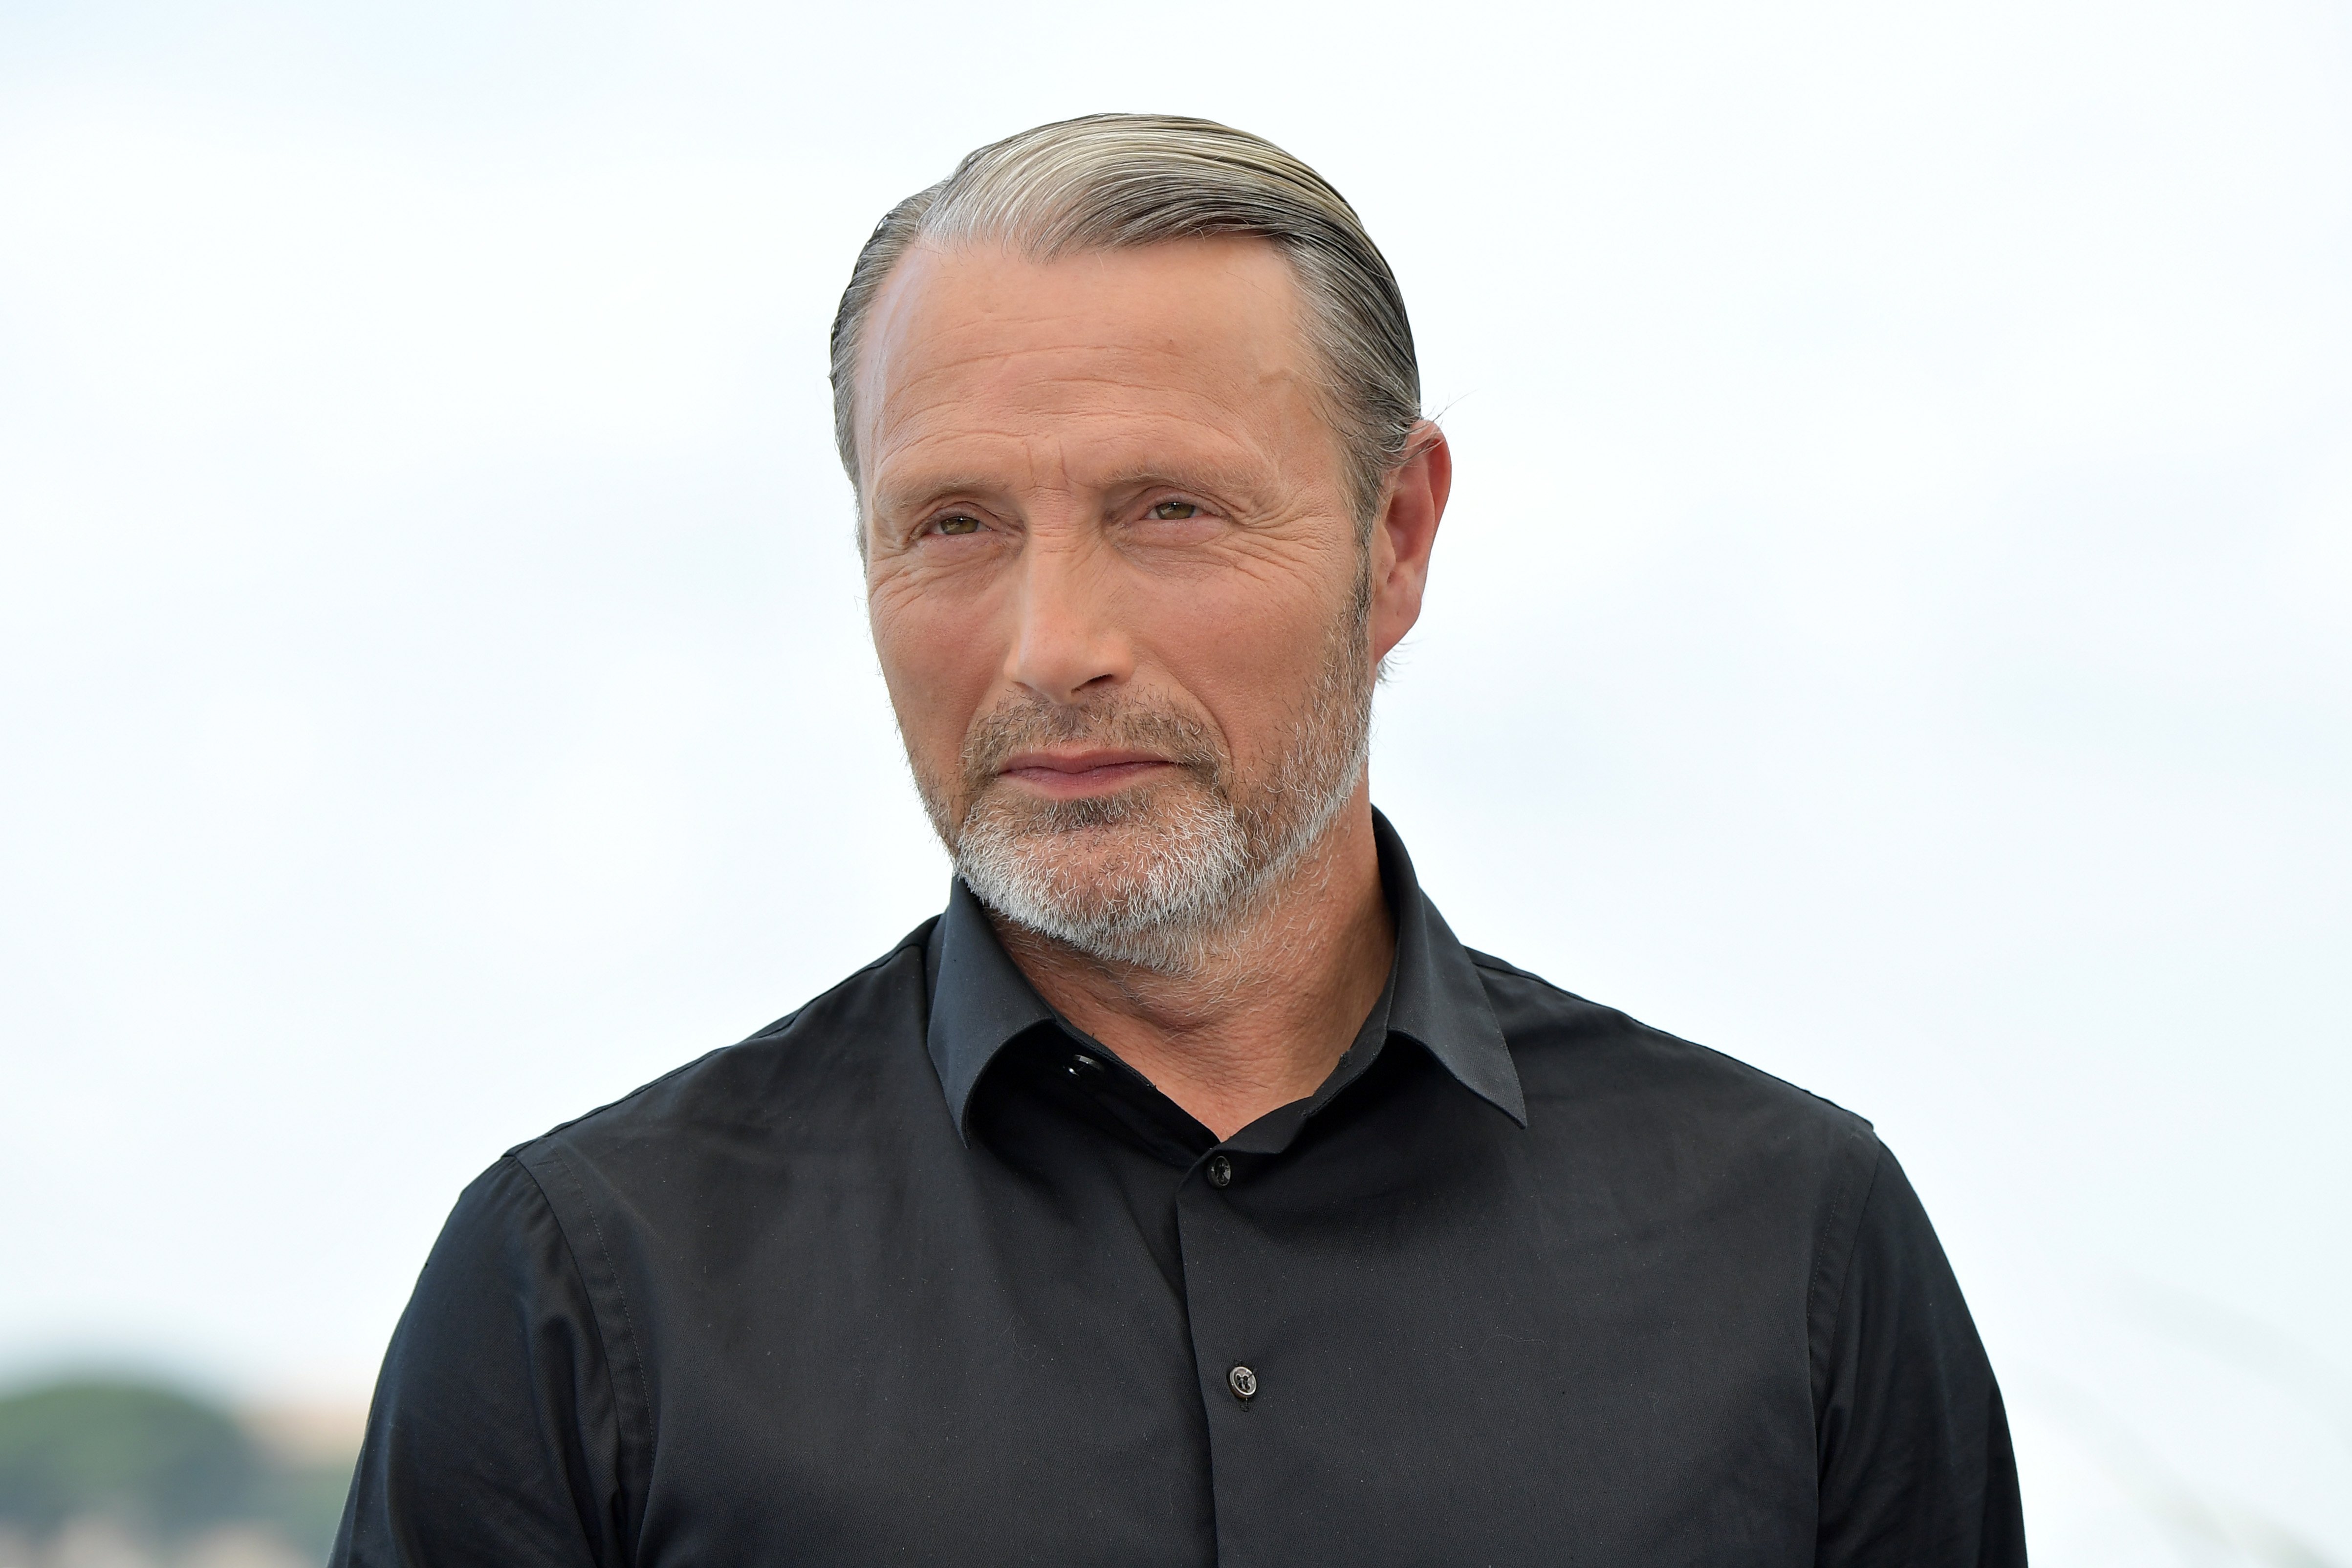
[1158, 877]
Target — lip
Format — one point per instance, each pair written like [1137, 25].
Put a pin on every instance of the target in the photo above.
[1072, 773]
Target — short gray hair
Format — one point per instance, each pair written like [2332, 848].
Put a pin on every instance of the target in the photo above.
[1112, 181]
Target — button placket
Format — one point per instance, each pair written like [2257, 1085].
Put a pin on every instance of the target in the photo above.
[1235, 1308]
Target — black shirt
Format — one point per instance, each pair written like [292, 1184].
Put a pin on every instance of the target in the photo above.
[919, 1275]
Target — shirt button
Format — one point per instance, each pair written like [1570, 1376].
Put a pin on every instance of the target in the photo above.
[1220, 1174]
[1244, 1383]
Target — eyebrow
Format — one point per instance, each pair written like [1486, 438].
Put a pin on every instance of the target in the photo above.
[1217, 480]
[930, 492]
[1220, 480]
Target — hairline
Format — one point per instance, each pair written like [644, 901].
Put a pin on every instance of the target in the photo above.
[1311, 320]
[1112, 181]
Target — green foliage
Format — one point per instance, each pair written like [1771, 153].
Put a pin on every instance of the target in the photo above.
[144, 1455]
[158, 1461]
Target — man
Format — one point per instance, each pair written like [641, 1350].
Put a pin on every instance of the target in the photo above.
[1185, 1193]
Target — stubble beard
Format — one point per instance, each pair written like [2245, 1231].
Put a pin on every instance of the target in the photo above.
[1161, 875]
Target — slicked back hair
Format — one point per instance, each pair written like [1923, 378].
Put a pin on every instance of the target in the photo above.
[1114, 182]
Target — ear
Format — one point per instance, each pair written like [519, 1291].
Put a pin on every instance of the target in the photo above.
[1405, 533]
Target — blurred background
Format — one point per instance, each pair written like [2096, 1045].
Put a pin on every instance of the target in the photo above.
[1895, 625]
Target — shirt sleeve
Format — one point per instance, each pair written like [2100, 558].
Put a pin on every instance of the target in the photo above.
[1916, 1465]
[491, 1440]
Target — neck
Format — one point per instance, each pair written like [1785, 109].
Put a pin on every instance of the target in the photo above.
[1278, 998]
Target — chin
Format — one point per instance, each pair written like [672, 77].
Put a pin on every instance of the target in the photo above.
[1124, 876]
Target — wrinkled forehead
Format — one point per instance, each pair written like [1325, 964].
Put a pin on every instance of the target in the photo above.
[1101, 351]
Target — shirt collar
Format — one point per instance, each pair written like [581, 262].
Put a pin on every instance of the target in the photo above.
[980, 1001]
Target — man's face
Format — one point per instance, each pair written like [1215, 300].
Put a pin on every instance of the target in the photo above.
[1114, 579]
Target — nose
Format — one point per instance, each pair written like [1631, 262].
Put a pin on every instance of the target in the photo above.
[1067, 641]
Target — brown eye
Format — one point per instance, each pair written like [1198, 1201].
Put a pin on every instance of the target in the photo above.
[958, 525]
[1174, 511]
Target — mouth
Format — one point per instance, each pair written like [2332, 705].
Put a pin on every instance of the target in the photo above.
[1073, 775]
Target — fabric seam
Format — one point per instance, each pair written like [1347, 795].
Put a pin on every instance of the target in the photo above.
[1820, 1372]
[628, 1319]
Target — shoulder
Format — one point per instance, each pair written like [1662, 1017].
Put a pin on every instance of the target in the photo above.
[1589, 1068]
[800, 1072]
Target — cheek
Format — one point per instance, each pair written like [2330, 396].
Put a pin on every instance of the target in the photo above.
[1249, 647]
[939, 664]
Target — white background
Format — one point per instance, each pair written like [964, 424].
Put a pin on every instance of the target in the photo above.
[1894, 624]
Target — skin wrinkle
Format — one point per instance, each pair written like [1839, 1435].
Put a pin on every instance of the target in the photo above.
[911, 450]
[1218, 920]
[984, 318]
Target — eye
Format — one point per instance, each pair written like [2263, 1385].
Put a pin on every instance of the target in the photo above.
[1174, 512]
[957, 523]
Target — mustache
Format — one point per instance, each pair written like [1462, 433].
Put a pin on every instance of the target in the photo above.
[1034, 723]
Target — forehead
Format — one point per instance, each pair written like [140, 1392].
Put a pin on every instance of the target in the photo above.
[976, 354]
